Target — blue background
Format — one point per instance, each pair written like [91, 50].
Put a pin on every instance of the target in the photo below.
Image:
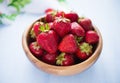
[105, 14]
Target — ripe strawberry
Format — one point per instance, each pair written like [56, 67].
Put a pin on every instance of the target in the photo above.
[49, 10]
[68, 44]
[65, 59]
[60, 14]
[77, 30]
[84, 51]
[62, 26]
[86, 23]
[49, 18]
[91, 37]
[36, 49]
[49, 58]
[48, 39]
[35, 30]
[72, 16]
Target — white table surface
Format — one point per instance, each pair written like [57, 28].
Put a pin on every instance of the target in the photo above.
[105, 14]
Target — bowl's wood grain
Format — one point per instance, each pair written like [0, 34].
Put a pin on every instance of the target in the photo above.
[61, 70]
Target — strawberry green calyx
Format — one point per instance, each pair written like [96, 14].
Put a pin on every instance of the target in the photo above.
[36, 46]
[44, 28]
[32, 33]
[78, 39]
[60, 59]
[53, 13]
[80, 18]
[86, 48]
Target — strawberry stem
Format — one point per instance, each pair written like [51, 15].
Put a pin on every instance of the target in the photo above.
[80, 18]
[44, 28]
[78, 39]
[85, 47]
[60, 59]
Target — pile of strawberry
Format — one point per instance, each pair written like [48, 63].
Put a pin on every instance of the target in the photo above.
[63, 39]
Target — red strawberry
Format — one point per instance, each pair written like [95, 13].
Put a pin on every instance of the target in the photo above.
[35, 30]
[62, 26]
[91, 37]
[49, 58]
[36, 27]
[65, 59]
[60, 13]
[36, 49]
[84, 51]
[50, 25]
[49, 10]
[68, 44]
[72, 16]
[77, 30]
[48, 40]
[86, 24]
[49, 18]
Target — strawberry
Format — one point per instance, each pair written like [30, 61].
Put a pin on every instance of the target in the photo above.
[50, 17]
[60, 14]
[86, 23]
[49, 10]
[48, 39]
[68, 44]
[62, 26]
[50, 25]
[35, 30]
[65, 59]
[77, 30]
[84, 51]
[49, 58]
[91, 37]
[36, 49]
[72, 16]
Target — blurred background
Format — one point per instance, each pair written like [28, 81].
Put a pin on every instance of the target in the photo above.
[17, 15]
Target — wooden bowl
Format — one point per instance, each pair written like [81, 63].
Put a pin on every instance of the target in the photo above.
[61, 70]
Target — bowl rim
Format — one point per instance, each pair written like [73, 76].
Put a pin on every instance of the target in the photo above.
[35, 60]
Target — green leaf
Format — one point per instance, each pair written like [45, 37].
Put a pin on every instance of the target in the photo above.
[61, 0]
[1, 22]
[10, 17]
[18, 4]
[1, 1]
[15, 6]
